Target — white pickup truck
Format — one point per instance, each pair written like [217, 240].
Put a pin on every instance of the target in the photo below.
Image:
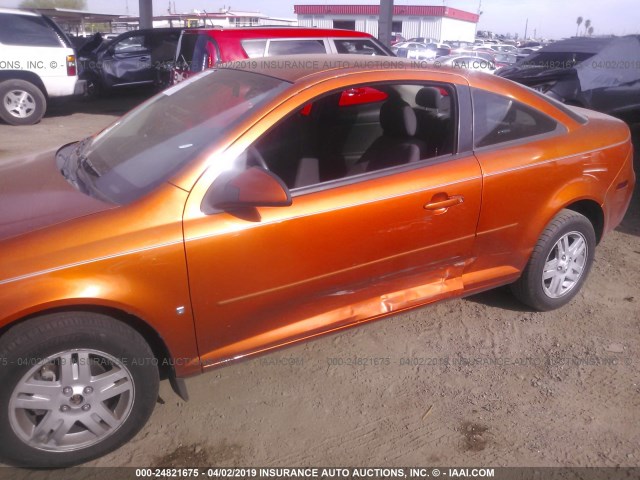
[37, 62]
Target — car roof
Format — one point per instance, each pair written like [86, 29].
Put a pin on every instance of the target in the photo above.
[289, 32]
[294, 68]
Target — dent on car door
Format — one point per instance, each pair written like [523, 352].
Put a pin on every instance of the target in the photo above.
[347, 249]
[128, 61]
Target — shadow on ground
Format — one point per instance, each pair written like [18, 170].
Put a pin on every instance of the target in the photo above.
[117, 103]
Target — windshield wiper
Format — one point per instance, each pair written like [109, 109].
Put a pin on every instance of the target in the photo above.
[85, 164]
[66, 170]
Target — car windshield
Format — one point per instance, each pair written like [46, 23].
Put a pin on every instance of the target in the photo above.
[155, 140]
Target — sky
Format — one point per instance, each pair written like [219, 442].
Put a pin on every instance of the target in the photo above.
[547, 18]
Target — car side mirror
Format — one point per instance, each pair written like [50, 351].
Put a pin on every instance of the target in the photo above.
[253, 187]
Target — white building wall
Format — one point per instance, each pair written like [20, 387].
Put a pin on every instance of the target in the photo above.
[458, 30]
[318, 21]
[371, 26]
[438, 28]
[431, 27]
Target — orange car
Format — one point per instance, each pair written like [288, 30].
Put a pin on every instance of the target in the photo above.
[268, 202]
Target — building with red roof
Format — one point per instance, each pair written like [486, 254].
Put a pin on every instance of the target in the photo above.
[438, 23]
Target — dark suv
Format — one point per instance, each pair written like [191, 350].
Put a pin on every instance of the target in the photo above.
[200, 49]
[139, 57]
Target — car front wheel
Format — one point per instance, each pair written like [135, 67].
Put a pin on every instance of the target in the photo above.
[75, 386]
[559, 264]
[22, 102]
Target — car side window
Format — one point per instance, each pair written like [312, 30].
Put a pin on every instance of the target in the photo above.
[133, 44]
[361, 129]
[358, 47]
[498, 119]
[27, 30]
[293, 47]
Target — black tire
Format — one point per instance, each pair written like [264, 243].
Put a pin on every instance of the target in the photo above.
[42, 345]
[544, 295]
[31, 102]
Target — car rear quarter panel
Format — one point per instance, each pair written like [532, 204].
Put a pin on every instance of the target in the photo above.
[527, 184]
[128, 259]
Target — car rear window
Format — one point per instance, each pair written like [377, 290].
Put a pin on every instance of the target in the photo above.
[27, 30]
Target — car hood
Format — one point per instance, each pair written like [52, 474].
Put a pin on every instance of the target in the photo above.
[34, 195]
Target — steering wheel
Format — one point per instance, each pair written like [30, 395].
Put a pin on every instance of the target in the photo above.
[255, 158]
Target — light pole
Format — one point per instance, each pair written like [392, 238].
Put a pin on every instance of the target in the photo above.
[385, 21]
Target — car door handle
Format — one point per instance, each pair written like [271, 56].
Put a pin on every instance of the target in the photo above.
[446, 203]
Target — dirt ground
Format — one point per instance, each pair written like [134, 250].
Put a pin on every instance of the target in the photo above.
[473, 382]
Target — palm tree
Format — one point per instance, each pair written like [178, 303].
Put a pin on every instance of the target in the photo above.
[590, 31]
[579, 22]
[587, 24]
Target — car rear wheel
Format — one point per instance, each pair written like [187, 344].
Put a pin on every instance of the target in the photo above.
[75, 387]
[22, 102]
[559, 264]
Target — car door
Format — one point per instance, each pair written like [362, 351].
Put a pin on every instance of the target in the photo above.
[344, 251]
[128, 61]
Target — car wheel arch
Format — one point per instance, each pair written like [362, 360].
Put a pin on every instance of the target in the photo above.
[594, 213]
[26, 76]
[153, 338]
[584, 205]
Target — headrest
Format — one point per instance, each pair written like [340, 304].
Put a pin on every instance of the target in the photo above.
[398, 119]
[429, 97]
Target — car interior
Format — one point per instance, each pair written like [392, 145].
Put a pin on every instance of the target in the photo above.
[359, 130]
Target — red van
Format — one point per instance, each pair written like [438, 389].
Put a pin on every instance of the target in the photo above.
[200, 49]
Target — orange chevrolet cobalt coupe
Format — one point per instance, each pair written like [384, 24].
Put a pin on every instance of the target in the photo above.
[253, 206]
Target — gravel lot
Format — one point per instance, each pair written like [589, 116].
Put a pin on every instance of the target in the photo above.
[473, 382]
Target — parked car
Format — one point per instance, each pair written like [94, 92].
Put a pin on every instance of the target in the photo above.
[527, 50]
[200, 49]
[37, 62]
[135, 58]
[413, 50]
[421, 51]
[397, 38]
[505, 60]
[504, 48]
[598, 73]
[457, 46]
[488, 56]
[253, 207]
[441, 49]
[422, 40]
[468, 62]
